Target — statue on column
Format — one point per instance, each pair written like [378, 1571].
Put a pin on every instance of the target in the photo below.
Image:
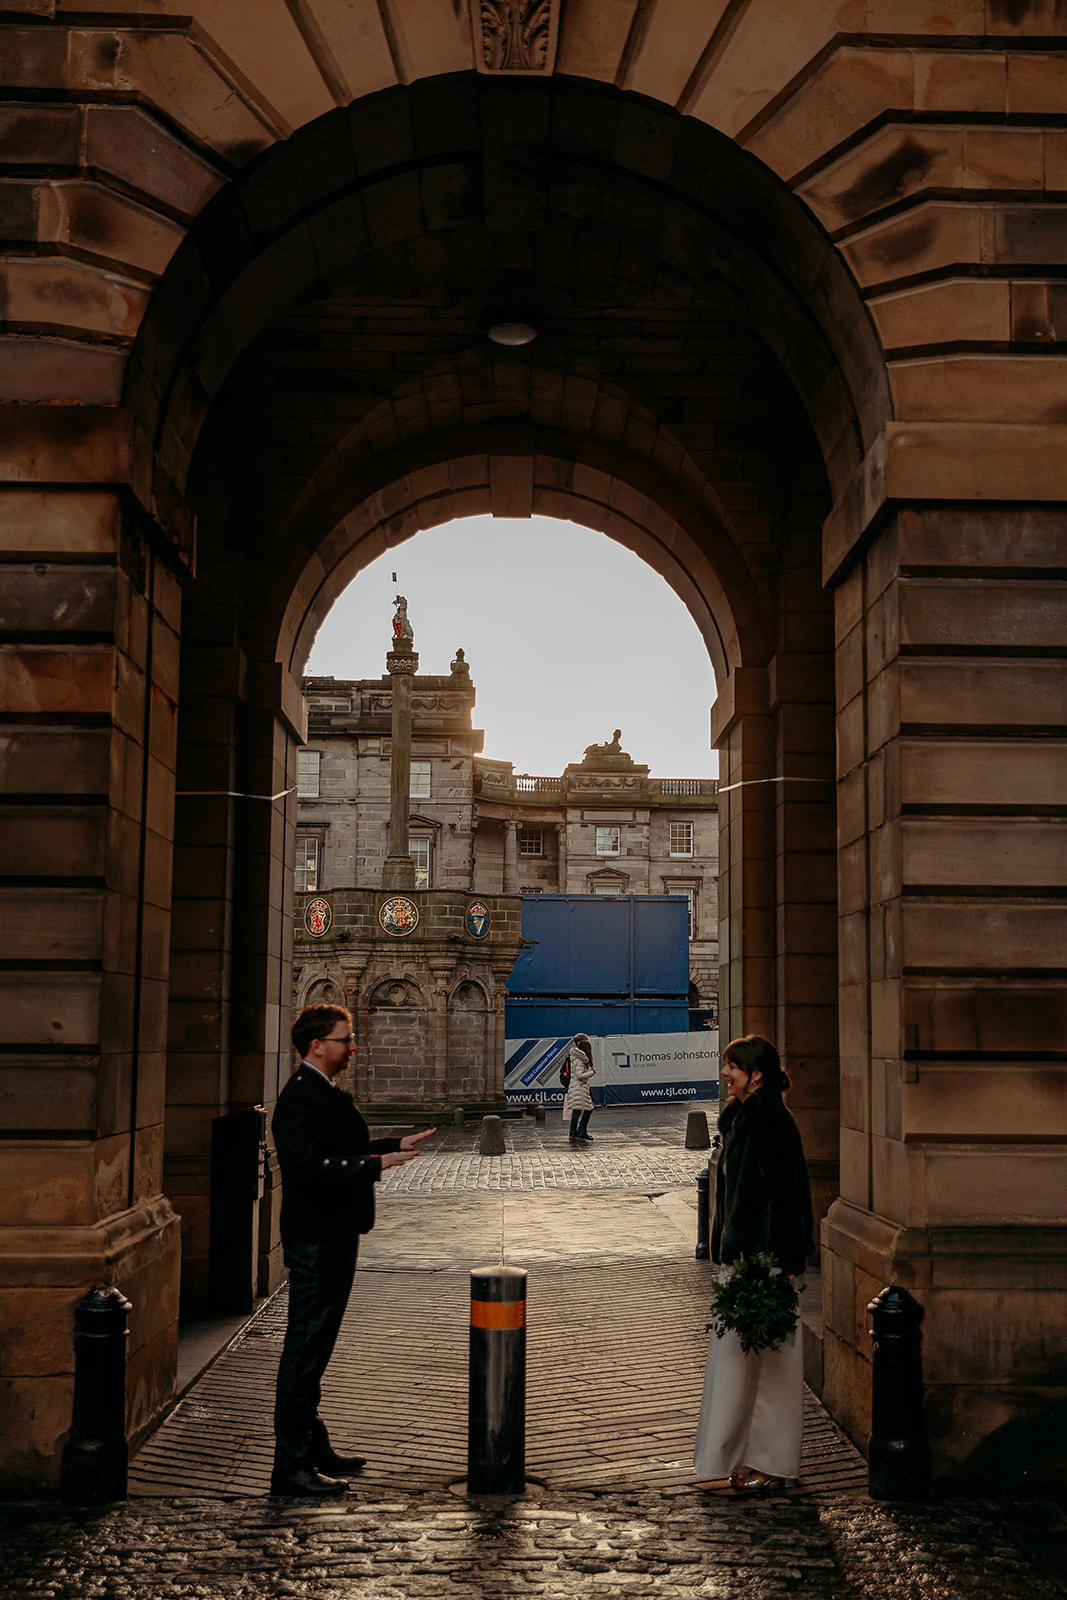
[403, 634]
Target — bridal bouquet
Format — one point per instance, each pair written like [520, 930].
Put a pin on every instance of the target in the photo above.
[756, 1300]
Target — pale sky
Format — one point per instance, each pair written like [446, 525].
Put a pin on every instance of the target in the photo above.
[554, 669]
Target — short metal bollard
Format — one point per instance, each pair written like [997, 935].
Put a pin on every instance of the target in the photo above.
[898, 1453]
[496, 1417]
[96, 1456]
[703, 1249]
[457, 1117]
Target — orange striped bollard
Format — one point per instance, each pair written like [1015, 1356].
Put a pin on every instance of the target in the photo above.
[496, 1418]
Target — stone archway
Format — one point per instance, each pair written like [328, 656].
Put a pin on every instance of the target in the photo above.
[706, 464]
[874, 217]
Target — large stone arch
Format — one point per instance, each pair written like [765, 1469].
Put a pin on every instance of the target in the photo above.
[885, 207]
[725, 500]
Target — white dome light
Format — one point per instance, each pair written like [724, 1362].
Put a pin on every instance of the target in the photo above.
[512, 333]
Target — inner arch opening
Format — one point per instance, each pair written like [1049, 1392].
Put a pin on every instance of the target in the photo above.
[566, 633]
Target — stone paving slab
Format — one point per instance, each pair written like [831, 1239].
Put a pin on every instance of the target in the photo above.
[522, 1228]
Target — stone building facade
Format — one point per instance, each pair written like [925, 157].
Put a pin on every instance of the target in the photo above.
[603, 827]
[797, 276]
[426, 990]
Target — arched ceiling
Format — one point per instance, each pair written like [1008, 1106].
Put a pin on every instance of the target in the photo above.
[699, 328]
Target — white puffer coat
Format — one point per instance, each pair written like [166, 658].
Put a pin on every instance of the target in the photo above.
[582, 1070]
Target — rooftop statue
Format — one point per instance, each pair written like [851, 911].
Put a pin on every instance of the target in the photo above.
[607, 755]
[402, 630]
[461, 666]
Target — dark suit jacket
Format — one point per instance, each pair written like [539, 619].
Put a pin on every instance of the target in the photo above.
[329, 1161]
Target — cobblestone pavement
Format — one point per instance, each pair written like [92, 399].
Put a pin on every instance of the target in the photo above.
[653, 1167]
[545, 1546]
[617, 1345]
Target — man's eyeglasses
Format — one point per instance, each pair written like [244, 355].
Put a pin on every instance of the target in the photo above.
[348, 1038]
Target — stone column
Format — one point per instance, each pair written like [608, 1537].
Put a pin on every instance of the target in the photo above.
[494, 1068]
[398, 871]
[777, 973]
[511, 857]
[89, 691]
[440, 972]
[561, 851]
[953, 999]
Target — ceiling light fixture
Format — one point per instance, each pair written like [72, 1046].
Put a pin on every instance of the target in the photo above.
[512, 333]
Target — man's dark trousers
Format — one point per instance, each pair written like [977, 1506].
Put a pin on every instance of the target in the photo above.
[320, 1280]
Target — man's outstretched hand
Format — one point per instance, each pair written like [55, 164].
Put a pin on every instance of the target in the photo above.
[411, 1140]
[408, 1149]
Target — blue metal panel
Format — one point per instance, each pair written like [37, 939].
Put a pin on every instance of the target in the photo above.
[543, 1016]
[660, 944]
[602, 945]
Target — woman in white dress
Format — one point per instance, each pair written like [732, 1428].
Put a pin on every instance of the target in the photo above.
[751, 1416]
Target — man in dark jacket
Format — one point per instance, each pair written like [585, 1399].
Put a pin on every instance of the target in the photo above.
[329, 1166]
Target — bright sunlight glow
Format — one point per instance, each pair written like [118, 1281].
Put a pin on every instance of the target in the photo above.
[567, 634]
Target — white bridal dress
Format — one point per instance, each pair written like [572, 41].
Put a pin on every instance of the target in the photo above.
[752, 1413]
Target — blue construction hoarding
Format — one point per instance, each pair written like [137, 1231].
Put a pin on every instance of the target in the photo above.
[600, 964]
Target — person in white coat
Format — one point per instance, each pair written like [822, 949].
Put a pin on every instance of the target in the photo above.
[579, 1097]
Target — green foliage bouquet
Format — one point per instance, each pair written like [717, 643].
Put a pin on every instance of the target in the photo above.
[756, 1300]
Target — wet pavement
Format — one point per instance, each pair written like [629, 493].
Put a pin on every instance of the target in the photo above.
[617, 1337]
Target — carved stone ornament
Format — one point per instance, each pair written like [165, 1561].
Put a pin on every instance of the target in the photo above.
[434, 702]
[318, 916]
[396, 663]
[398, 916]
[517, 36]
[603, 781]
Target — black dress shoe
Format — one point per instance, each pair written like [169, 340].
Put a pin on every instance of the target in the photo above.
[306, 1483]
[330, 1462]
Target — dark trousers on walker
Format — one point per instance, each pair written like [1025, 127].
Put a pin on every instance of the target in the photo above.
[579, 1123]
[320, 1280]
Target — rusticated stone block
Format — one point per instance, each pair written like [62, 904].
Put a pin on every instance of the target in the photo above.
[973, 693]
[973, 1015]
[128, 143]
[73, 295]
[64, 444]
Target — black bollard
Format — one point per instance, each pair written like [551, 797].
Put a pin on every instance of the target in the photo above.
[496, 1419]
[95, 1456]
[898, 1453]
[703, 1249]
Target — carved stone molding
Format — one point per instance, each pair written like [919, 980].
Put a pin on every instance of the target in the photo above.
[603, 782]
[515, 36]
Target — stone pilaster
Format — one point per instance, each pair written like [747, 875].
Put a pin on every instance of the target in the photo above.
[511, 857]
